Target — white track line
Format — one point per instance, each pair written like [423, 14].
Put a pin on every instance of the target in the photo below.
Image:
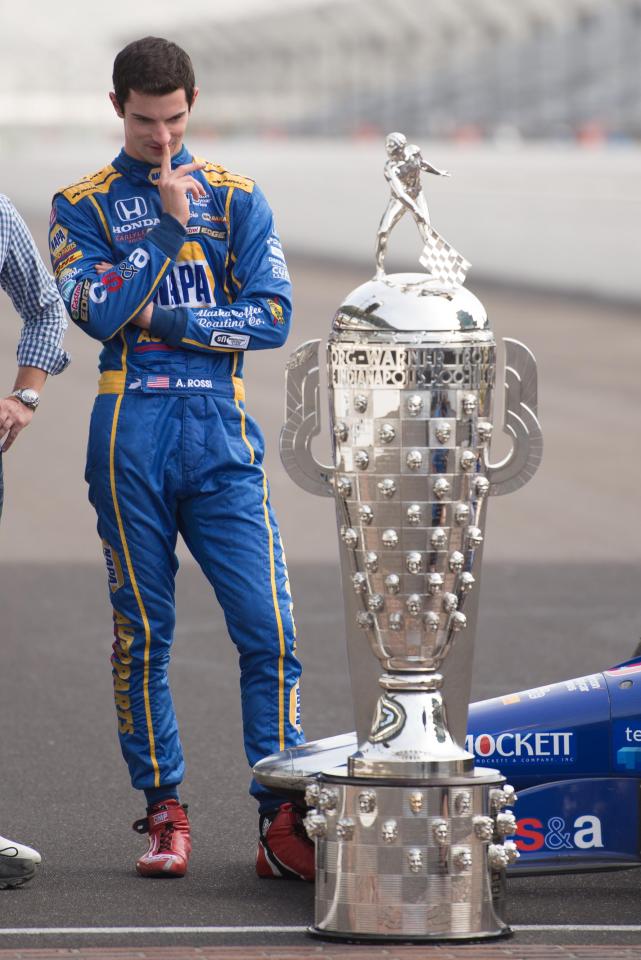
[75, 931]
[44, 931]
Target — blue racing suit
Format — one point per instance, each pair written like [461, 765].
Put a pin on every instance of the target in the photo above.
[171, 446]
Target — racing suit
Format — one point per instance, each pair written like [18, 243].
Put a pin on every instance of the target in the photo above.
[171, 447]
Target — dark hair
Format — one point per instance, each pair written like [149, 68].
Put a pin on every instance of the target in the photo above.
[154, 66]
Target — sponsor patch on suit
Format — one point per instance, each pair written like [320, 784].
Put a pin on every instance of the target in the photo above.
[230, 341]
[114, 567]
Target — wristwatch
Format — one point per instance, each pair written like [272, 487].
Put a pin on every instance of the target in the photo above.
[28, 396]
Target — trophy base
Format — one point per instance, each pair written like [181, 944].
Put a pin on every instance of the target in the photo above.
[364, 939]
[376, 765]
[407, 863]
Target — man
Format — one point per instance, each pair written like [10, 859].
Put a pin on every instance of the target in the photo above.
[176, 266]
[403, 173]
[24, 278]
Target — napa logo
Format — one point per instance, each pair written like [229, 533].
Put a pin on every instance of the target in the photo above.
[190, 283]
[58, 237]
[114, 567]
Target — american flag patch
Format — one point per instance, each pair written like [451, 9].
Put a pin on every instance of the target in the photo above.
[158, 383]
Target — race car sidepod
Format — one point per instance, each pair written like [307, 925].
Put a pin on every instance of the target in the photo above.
[572, 750]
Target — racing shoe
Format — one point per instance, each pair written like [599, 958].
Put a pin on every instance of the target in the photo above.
[284, 849]
[17, 863]
[169, 840]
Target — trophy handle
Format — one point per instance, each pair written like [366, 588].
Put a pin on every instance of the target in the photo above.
[302, 422]
[520, 421]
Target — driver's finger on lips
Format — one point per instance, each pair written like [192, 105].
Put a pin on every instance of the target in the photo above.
[165, 161]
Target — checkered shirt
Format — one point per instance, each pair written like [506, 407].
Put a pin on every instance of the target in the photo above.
[24, 278]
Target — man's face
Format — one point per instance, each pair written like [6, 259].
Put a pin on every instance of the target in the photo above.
[395, 147]
[153, 121]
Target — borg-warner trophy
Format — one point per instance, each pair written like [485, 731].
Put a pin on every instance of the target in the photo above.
[410, 836]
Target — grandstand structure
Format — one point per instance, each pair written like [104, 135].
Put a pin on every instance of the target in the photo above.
[445, 68]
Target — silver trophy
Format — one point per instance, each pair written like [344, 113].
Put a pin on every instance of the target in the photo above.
[410, 837]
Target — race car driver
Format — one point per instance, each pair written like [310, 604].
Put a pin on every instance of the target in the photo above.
[175, 265]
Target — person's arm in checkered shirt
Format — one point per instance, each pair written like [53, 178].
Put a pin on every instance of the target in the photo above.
[33, 293]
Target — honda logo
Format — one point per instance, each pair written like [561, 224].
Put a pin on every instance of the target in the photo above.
[133, 208]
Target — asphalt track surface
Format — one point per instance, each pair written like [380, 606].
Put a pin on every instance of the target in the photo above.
[554, 605]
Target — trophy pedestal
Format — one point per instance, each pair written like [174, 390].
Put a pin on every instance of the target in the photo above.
[408, 861]
[409, 736]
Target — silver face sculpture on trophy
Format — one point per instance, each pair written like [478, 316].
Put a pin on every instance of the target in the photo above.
[410, 837]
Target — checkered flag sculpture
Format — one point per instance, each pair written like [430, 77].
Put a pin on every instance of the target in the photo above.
[442, 261]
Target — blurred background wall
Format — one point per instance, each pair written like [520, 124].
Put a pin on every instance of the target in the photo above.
[534, 106]
[461, 69]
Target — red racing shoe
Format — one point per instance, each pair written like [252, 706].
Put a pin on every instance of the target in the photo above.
[169, 840]
[284, 849]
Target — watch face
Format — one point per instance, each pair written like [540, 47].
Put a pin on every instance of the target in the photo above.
[28, 396]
